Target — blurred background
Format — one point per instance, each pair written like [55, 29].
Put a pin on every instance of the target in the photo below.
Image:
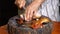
[7, 10]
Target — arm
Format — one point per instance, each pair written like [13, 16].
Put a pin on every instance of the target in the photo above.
[36, 3]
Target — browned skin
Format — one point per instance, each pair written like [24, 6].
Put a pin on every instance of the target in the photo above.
[38, 23]
[35, 23]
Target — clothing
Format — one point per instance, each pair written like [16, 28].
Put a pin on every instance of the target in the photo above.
[49, 8]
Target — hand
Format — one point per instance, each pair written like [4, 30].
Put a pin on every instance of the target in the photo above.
[30, 12]
[32, 9]
[20, 3]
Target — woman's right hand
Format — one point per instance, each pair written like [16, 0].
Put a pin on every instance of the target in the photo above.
[20, 3]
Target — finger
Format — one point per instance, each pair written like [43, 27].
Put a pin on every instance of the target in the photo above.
[26, 14]
[31, 15]
[34, 13]
[22, 4]
[17, 2]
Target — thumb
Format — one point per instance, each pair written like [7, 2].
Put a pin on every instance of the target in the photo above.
[34, 15]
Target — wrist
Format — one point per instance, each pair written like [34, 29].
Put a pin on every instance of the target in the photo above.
[36, 3]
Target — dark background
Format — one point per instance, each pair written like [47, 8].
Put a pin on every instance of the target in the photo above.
[7, 10]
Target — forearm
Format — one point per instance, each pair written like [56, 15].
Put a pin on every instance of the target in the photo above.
[36, 3]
